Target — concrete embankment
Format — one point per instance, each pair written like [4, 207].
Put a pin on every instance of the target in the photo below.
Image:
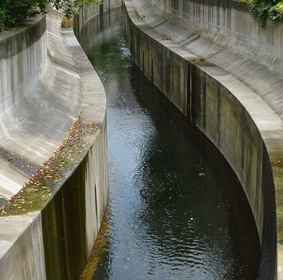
[234, 97]
[46, 84]
[224, 73]
[86, 14]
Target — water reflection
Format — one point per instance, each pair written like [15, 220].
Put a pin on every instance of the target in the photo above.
[177, 210]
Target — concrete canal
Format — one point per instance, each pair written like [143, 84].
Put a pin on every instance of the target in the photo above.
[175, 208]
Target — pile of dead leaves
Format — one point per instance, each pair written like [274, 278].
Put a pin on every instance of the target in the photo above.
[165, 37]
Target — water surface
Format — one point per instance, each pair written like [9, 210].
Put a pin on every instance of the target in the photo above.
[175, 208]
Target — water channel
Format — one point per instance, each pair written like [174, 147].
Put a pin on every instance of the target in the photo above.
[175, 209]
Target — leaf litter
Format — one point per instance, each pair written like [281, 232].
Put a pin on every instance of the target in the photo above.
[52, 174]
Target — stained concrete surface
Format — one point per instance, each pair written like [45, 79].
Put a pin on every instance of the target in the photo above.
[37, 123]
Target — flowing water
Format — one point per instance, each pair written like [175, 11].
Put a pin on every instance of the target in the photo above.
[175, 209]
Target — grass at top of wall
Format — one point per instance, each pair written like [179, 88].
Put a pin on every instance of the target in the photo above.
[200, 59]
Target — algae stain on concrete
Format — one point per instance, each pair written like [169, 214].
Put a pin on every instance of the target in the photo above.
[64, 227]
[53, 173]
[104, 234]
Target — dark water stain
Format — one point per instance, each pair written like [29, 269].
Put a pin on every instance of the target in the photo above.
[23, 165]
[3, 201]
[177, 209]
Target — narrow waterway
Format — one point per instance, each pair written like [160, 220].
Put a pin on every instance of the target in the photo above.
[175, 208]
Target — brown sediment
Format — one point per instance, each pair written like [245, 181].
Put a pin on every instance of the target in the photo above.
[67, 23]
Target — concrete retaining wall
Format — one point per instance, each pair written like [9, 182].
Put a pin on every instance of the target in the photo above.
[54, 242]
[227, 24]
[48, 81]
[87, 13]
[23, 57]
[167, 39]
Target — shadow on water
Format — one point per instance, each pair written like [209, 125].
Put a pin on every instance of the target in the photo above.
[177, 210]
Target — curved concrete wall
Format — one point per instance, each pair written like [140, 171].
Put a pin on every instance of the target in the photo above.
[46, 83]
[23, 57]
[227, 24]
[87, 13]
[54, 242]
[32, 124]
[167, 39]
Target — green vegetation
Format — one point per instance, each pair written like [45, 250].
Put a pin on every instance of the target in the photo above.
[101, 242]
[200, 59]
[263, 9]
[2, 19]
[53, 173]
[14, 12]
[71, 7]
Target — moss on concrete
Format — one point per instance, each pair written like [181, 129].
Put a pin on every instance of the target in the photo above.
[53, 173]
[104, 234]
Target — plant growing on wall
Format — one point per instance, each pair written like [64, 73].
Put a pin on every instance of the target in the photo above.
[263, 9]
[71, 7]
[14, 12]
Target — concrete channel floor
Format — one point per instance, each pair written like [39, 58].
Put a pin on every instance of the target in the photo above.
[35, 139]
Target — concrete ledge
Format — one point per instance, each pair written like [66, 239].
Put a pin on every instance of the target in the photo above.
[222, 97]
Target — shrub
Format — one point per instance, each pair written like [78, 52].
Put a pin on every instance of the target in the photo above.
[261, 10]
[2, 19]
[71, 7]
[15, 11]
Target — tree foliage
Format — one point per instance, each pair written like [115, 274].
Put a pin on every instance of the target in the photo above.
[263, 9]
[13, 12]
[71, 8]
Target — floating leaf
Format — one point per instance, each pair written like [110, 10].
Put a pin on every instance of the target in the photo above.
[201, 174]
